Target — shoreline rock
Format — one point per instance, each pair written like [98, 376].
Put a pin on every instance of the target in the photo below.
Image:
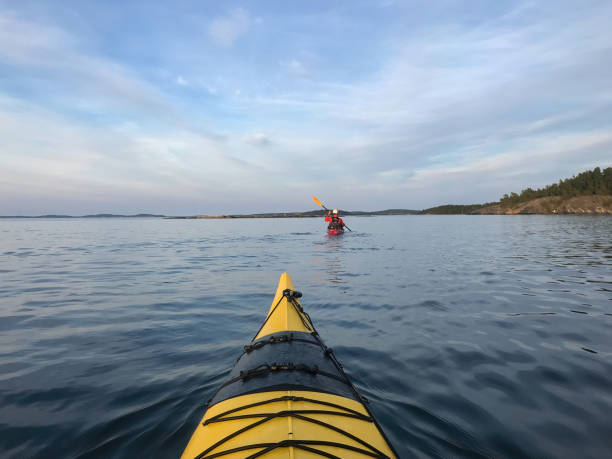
[554, 205]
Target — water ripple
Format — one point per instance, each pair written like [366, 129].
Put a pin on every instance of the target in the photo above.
[471, 336]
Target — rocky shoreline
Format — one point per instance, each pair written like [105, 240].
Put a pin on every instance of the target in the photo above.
[554, 205]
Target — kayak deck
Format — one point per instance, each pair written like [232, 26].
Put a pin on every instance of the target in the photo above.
[287, 397]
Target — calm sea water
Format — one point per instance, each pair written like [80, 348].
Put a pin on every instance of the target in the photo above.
[481, 336]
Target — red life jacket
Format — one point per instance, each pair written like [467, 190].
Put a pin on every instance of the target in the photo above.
[334, 218]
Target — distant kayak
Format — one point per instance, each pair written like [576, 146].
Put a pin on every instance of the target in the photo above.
[288, 397]
[334, 232]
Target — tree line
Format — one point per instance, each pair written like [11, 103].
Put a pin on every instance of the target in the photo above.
[585, 183]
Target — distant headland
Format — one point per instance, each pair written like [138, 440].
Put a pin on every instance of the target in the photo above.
[588, 193]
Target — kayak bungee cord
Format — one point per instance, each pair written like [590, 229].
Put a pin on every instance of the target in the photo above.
[268, 368]
[374, 452]
[287, 372]
[273, 340]
[286, 398]
[300, 444]
[290, 295]
[330, 352]
[299, 414]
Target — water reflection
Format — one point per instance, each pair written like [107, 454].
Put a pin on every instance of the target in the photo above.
[330, 261]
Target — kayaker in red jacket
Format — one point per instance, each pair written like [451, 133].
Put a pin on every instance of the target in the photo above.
[334, 219]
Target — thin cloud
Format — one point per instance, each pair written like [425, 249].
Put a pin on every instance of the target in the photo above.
[46, 47]
[25, 42]
[104, 85]
[258, 139]
[226, 30]
[295, 68]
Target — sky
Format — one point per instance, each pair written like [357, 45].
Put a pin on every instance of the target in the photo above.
[207, 107]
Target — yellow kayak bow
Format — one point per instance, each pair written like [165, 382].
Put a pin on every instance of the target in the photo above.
[287, 397]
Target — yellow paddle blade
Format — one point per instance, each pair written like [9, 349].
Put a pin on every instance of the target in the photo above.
[314, 198]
